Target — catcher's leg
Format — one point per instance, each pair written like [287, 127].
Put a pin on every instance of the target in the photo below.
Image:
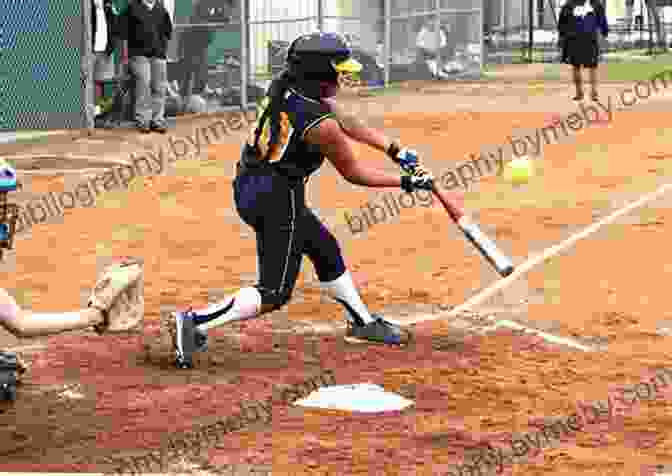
[279, 248]
[323, 250]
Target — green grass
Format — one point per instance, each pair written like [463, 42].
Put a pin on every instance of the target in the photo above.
[35, 137]
[635, 70]
[622, 71]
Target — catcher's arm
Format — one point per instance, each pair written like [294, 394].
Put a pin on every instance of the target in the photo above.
[25, 323]
[116, 305]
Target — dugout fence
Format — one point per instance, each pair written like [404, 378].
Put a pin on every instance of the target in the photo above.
[44, 82]
[246, 42]
[224, 53]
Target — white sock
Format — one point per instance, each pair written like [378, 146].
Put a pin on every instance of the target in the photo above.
[245, 304]
[343, 290]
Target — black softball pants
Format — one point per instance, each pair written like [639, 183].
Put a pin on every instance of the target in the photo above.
[286, 230]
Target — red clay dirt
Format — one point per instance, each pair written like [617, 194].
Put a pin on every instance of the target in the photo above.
[467, 389]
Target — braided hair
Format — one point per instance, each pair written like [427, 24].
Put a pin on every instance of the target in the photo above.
[275, 96]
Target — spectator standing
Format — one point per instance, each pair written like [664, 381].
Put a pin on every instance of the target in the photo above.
[579, 27]
[104, 40]
[147, 27]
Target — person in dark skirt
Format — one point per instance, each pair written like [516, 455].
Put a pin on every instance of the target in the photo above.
[579, 27]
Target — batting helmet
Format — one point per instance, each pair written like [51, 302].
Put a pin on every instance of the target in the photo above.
[321, 57]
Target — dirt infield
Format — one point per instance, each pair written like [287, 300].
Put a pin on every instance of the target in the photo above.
[96, 404]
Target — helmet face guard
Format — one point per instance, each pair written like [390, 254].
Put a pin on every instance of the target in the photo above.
[347, 72]
[9, 212]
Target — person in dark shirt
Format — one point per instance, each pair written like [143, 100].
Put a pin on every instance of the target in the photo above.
[147, 27]
[579, 27]
[300, 124]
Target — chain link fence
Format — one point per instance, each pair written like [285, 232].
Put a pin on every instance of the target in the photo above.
[508, 37]
[223, 53]
[43, 65]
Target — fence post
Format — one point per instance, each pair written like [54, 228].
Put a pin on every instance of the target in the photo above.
[387, 9]
[437, 29]
[320, 15]
[88, 93]
[244, 56]
[481, 34]
[530, 39]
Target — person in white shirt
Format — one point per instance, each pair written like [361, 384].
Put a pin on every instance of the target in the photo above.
[431, 44]
[104, 38]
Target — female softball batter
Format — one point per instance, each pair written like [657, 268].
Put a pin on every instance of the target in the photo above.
[299, 125]
[115, 305]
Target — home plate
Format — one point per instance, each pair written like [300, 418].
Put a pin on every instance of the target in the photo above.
[362, 397]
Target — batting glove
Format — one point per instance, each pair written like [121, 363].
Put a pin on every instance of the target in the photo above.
[418, 179]
[405, 158]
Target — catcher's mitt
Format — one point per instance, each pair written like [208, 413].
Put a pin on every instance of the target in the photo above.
[118, 295]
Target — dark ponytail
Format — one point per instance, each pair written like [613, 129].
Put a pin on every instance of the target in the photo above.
[276, 95]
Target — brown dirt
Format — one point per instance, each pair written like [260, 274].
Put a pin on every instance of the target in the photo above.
[468, 389]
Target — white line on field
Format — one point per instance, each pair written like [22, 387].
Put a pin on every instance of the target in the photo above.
[544, 335]
[520, 271]
[533, 261]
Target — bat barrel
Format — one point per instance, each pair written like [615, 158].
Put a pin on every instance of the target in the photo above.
[486, 246]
